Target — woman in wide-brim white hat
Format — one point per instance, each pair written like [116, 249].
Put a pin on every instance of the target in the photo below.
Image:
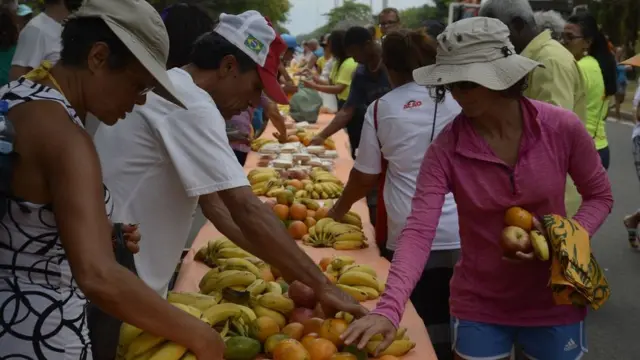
[56, 249]
[503, 150]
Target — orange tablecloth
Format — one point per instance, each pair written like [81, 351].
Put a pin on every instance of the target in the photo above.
[191, 271]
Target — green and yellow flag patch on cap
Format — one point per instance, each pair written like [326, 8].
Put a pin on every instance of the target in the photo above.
[254, 44]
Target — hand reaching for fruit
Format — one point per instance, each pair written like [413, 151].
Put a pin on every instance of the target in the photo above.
[317, 140]
[334, 300]
[362, 330]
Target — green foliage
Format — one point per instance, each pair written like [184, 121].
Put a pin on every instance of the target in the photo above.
[349, 14]
[275, 10]
[413, 17]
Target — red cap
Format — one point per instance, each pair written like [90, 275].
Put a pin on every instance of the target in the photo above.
[269, 72]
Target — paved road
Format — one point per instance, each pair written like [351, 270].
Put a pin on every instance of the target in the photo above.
[614, 330]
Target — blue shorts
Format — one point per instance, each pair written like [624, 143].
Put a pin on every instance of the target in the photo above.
[480, 341]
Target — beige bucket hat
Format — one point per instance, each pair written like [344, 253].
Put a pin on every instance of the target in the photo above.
[139, 26]
[476, 50]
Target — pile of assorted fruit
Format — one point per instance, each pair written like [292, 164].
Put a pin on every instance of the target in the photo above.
[519, 235]
[317, 183]
[260, 318]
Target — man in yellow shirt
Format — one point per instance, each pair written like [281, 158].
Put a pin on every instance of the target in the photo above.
[559, 82]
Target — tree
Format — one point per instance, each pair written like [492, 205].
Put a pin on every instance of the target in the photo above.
[413, 17]
[275, 10]
[350, 13]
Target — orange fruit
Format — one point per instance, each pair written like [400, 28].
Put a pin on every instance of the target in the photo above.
[263, 327]
[332, 329]
[282, 211]
[343, 356]
[324, 263]
[298, 212]
[266, 274]
[517, 216]
[296, 184]
[321, 213]
[307, 339]
[290, 349]
[311, 214]
[321, 349]
[331, 278]
[309, 221]
[312, 325]
[297, 229]
[293, 138]
[294, 330]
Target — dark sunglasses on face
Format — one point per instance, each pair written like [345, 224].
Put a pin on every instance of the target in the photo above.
[462, 85]
[570, 37]
[388, 23]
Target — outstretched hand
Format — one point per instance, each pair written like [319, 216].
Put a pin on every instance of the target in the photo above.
[334, 300]
[362, 330]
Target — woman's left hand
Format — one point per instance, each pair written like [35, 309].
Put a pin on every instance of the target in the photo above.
[363, 329]
[522, 256]
[309, 84]
[131, 236]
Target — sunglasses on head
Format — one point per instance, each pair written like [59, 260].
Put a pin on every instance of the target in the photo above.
[461, 85]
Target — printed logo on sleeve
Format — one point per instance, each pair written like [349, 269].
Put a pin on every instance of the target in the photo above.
[254, 44]
[412, 104]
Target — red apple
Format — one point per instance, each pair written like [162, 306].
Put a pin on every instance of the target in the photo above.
[515, 239]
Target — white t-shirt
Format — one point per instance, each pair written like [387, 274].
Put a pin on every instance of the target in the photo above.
[39, 40]
[405, 130]
[157, 162]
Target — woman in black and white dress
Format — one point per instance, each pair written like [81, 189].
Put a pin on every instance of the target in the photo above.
[55, 238]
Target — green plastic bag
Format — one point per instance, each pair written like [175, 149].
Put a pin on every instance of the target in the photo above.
[305, 105]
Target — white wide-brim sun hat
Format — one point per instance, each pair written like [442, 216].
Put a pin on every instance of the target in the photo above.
[476, 50]
[140, 28]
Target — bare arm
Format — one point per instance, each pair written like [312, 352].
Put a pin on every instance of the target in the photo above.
[312, 62]
[338, 123]
[327, 89]
[276, 118]
[270, 238]
[283, 72]
[68, 160]
[357, 187]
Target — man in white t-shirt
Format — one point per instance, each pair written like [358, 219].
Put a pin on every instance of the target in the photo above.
[162, 161]
[40, 39]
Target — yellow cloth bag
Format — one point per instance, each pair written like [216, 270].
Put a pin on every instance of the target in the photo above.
[576, 276]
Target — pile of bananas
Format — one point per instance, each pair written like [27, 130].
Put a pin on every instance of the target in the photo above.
[217, 251]
[319, 190]
[340, 236]
[306, 136]
[358, 280]
[258, 143]
[137, 344]
[320, 175]
[265, 181]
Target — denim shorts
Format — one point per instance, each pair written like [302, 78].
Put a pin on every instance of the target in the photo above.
[481, 341]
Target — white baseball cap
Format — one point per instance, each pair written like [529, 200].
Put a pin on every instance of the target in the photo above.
[476, 50]
[255, 36]
[139, 26]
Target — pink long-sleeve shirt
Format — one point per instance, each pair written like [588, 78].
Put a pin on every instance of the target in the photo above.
[485, 288]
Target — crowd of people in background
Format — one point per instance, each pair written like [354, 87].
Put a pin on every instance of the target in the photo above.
[443, 141]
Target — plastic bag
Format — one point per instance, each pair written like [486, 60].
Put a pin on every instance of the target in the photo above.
[104, 330]
[305, 105]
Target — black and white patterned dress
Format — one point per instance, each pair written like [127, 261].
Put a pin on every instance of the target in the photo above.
[42, 310]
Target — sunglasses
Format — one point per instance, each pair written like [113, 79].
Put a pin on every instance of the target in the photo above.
[461, 85]
[388, 23]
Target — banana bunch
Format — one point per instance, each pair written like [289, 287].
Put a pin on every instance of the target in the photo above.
[329, 233]
[400, 346]
[223, 248]
[320, 175]
[265, 181]
[358, 280]
[258, 143]
[137, 344]
[274, 305]
[320, 190]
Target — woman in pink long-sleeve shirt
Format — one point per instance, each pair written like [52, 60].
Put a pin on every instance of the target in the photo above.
[503, 150]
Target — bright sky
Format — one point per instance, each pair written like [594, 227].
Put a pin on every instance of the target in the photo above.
[306, 15]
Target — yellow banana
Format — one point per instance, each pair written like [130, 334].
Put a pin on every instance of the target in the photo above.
[257, 262]
[381, 286]
[222, 243]
[354, 292]
[128, 333]
[371, 292]
[341, 261]
[222, 312]
[169, 351]
[211, 273]
[231, 278]
[310, 204]
[321, 224]
[257, 287]
[189, 310]
[345, 316]
[354, 214]
[312, 231]
[348, 245]
[401, 333]
[197, 300]
[355, 278]
[350, 219]
[189, 356]
[241, 264]
[142, 344]
[350, 236]
[397, 348]
[236, 252]
[274, 287]
[263, 311]
[359, 267]
[276, 302]
[264, 176]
